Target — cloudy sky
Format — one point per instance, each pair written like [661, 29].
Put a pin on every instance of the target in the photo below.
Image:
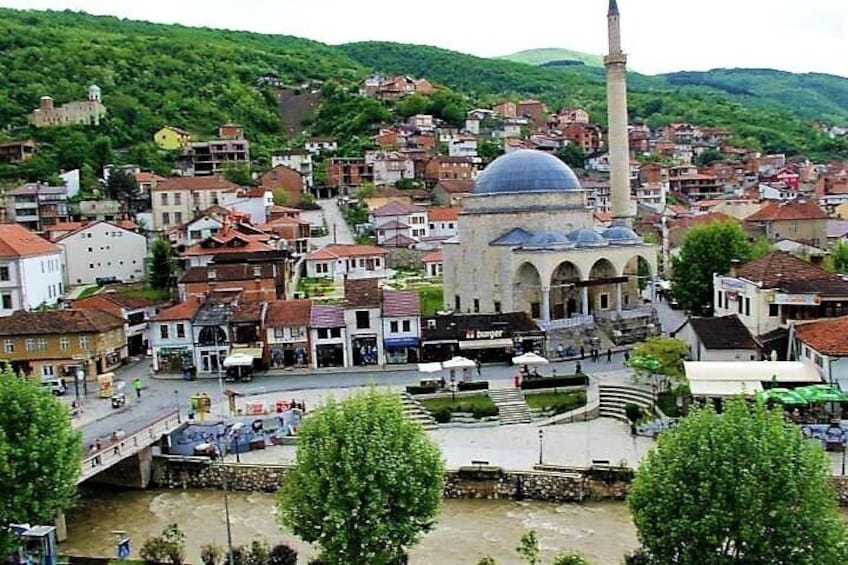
[659, 35]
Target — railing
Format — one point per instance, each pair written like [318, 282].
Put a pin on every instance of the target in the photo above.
[567, 323]
[127, 446]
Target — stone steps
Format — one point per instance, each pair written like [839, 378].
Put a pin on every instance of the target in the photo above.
[511, 406]
[614, 398]
[414, 411]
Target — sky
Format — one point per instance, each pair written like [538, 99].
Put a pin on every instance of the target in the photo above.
[658, 35]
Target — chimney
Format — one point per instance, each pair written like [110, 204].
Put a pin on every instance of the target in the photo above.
[734, 267]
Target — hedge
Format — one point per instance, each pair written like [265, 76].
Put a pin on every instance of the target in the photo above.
[555, 382]
[472, 385]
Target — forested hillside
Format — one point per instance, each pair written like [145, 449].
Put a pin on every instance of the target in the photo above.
[195, 78]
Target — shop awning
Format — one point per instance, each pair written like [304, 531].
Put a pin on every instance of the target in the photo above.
[500, 343]
[253, 352]
[401, 342]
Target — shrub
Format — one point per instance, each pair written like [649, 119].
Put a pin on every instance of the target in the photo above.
[442, 415]
[473, 385]
[282, 554]
[554, 382]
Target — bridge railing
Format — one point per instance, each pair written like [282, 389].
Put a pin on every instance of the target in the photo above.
[129, 445]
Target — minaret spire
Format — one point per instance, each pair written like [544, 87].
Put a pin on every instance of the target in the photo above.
[617, 138]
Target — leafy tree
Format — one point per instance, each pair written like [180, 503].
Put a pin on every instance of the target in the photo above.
[837, 261]
[161, 270]
[572, 156]
[367, 482]
[167, 547]
[707, 249]
[529, 548]
[122, 186]
[668, 352]
[740, 487]
[40, 456]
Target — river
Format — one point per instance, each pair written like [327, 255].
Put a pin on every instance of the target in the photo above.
[467, 529]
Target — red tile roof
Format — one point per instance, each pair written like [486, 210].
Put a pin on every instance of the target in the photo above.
[443, 214]
[788, 210]
[341, 250]
[826, 336]
[289, 313]
[779, 267]
[51, 322]
[434, 256]
[17, 241]
[182, 311]
[196, 183]
[401, 303]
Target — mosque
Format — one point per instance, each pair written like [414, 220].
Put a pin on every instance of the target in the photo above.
[526, 239]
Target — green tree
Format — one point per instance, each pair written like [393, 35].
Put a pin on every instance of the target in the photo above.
[707, 249]
[40, 456]
[572, 156]
[367, 482]
[837, 261]
[160, 273]
[739, 487]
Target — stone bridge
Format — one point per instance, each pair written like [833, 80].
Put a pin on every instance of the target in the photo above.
[127, 462]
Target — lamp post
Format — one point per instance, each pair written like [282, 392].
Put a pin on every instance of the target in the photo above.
[541, 438]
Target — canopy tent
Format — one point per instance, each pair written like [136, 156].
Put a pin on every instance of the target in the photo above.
[724, 388]
[429, 367]
[458, 362]
[530, 358]
[760, 371]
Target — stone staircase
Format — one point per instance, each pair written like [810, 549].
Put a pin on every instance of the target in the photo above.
[511, 406]
[413, 410]
[613, 399]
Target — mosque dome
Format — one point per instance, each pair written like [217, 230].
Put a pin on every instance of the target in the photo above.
[548, 239]
[587, 238]
[620, 234]
[526, 170]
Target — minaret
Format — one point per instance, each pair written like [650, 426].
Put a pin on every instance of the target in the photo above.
[617, 142]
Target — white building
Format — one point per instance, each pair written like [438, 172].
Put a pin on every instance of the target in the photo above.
[401, 325]
[340, 260]
[102, 250]
[32, 270]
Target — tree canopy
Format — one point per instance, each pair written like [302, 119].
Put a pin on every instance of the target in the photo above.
[40, 456]
[367, 482]
[706, 249]
[740, 487]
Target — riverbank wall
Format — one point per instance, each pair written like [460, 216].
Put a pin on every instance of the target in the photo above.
[545, 483]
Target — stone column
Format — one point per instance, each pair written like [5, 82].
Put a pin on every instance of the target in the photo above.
[546, 304]
[584, 300]
[618, 298]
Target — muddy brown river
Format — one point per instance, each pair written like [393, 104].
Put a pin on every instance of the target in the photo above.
[467, 529]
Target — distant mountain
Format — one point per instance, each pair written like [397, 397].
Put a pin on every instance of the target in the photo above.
[554, 56]
[813, 96]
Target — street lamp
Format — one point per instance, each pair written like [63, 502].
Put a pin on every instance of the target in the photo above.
[541, 437]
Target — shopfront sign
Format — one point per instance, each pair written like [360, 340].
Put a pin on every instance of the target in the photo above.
[796, 299]
[484, 334]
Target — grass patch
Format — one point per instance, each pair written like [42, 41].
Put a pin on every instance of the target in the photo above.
[432, 299]
[89, 291]
[556, 402]
[480, 405]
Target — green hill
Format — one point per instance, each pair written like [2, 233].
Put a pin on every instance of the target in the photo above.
[197, 78]
[553, 55]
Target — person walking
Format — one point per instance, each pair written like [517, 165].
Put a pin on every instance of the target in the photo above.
[137, 384]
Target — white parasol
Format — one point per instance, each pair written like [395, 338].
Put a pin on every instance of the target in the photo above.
[530, 358]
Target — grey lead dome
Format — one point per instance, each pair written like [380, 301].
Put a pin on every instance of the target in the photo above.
[526, 170]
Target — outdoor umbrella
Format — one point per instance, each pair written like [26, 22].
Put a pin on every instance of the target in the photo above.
[459, 362]
[530, 358]
[783, 396]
